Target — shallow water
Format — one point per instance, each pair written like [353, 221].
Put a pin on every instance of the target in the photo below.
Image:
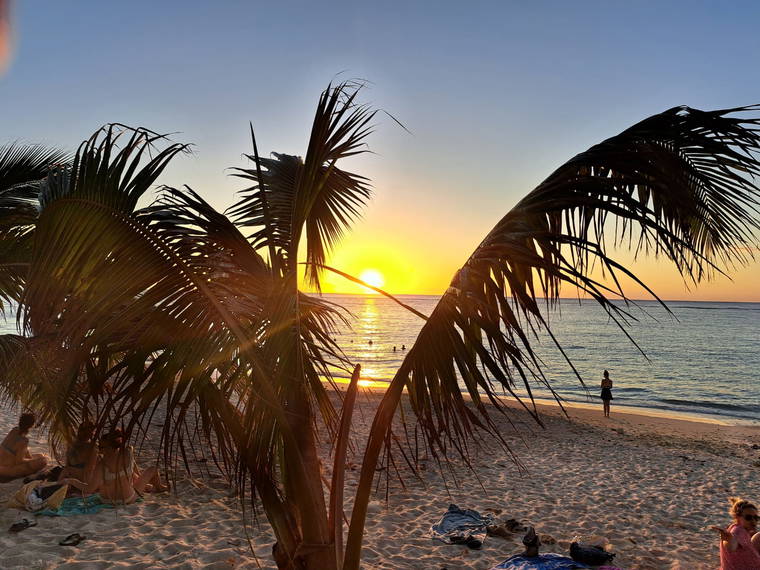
[703, 360]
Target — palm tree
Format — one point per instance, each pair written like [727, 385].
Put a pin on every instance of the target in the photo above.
[179, 308]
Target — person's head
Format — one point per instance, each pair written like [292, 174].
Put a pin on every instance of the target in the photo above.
[86, 431]
[54, 473]
[744, 514]
[26, 422]
[114, 439]
[606, 374]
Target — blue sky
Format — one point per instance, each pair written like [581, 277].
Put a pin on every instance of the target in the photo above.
[495, 94]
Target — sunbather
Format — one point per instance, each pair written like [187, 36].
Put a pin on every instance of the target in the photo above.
[738, 542]
[15, 459]
[82, 455]
[121, 481]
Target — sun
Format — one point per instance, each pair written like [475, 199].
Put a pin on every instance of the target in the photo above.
[372, 277]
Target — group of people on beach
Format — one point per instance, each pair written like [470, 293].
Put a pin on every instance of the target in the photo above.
[104, 465]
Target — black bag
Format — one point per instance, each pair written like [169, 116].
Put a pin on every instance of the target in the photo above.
[591, 555]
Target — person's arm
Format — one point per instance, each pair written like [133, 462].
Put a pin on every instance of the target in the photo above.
[131, 459]
[729, 540]
[22, 449]
[91, 462]
[81, 485]
[90, 487]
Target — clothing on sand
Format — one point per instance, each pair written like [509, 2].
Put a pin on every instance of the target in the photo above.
[461, 526]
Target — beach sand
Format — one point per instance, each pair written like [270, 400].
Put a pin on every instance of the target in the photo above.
[648, 486]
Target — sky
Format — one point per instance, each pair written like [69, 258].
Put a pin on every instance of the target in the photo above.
[495, 96]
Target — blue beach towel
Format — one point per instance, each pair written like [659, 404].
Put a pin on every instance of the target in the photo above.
[548, 561]
[78, 506]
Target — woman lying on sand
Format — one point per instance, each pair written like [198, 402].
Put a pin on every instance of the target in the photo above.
[740, 542]
[120, 479]
[82, 455]
[15, 459]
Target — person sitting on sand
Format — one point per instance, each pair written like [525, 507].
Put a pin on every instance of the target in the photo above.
[740, 542]
[606, 393]
[15, 459]
[82, 455]
[120, 479]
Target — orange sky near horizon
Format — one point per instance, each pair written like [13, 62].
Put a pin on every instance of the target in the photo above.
[417, 271]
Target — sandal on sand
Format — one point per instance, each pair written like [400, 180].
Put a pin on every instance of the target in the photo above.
[72, 539]
[23, 524]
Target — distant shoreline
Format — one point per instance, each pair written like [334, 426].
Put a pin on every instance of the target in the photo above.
[588, 409]
[573, 299]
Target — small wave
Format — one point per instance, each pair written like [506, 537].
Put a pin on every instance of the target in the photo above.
[712, 405]
[716, 308]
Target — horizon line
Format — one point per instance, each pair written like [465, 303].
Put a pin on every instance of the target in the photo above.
[543, 298]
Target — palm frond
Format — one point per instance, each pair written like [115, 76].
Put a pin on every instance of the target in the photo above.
[313, 193]
[115, 166]
[679, 185]
[24, 164]
[23, 169]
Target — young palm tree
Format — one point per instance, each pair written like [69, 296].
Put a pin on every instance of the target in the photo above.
[126, 311]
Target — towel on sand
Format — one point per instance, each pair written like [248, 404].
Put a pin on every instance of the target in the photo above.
[78, 506]
[461, 526]
[547, 561]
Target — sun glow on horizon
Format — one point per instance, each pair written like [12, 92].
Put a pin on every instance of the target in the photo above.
[372, 277]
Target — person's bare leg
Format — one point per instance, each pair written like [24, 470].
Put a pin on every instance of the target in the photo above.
[150, 480]
[23, 468]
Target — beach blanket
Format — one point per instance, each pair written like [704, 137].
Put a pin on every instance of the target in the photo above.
[461, 526]
[77, 506]
[547, 561]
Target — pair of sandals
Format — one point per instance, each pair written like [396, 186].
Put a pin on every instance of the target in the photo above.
[71, 540]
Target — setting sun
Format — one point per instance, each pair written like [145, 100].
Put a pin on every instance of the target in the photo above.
[372, 277]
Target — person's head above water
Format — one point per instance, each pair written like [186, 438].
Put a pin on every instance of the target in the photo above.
[86, 431]
[26, 422]
[606, 374]
[114, 439]
[744, 513]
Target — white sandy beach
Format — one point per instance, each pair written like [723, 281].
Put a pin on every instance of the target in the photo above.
[650, 486]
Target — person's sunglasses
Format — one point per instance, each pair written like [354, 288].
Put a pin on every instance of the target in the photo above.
[751, 518]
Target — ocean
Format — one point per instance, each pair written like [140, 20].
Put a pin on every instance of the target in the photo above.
[702, 361]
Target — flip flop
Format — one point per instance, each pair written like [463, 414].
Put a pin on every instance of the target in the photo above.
[23, 524]
[72, 539]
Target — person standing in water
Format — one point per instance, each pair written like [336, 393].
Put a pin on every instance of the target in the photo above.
[606, 393]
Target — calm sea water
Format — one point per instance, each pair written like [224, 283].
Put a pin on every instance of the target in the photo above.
[704, 360]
